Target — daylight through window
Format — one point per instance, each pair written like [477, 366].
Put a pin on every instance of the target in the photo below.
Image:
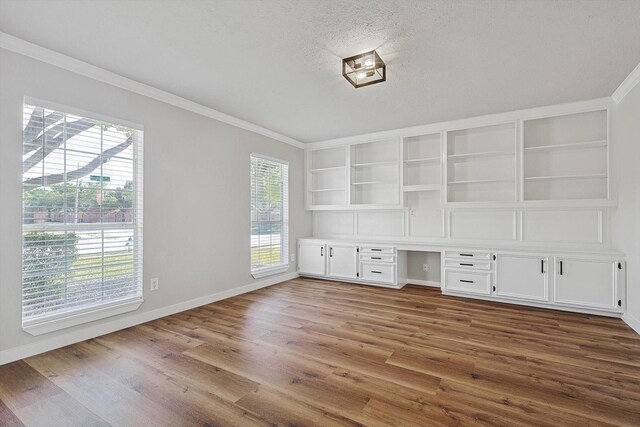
[82, 228]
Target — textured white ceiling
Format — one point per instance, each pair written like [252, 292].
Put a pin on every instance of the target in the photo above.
[276, 63]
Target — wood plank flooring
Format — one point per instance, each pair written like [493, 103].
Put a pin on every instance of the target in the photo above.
[313, 352]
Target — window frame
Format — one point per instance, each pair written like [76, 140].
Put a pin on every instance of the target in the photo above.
[283, 267]
[84, 314]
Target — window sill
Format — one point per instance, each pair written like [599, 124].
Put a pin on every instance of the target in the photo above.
[44, 326]
[264, 272]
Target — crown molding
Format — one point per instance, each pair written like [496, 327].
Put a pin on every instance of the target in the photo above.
[625, 87]
[25, 48]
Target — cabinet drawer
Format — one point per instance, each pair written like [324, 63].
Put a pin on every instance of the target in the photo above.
[378, 249]
[468, 264]
[468, 281]
[377, 258]
[378, 272]
[468, 255]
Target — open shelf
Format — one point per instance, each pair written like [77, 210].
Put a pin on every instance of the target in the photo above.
[481, 181]
[375, 173]
[572, 162]
[569, 146]
[423, 160]
[549, 177]
[327, 177]
[373, 183]
[374, 164]
[329, 169]
[328, 189]
[481, 164]
[425, 187]
[480, 155]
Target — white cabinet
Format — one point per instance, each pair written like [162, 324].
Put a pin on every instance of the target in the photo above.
[522, 277]
[467, 271]
[311, 258]
[586, 283]
[342, 261]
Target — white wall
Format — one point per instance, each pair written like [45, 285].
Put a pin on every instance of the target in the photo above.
[196, 195]
[625, 133]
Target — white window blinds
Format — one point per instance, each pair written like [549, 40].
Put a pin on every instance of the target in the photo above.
[82, 214]
[269, 213]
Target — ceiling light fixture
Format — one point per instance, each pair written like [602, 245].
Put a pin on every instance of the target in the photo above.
[364, 69]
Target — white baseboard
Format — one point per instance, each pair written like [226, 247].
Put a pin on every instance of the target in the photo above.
[423, 283]
[632, 321]
[17, 353]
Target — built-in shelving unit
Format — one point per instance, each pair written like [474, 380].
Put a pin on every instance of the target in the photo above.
[374, 174]
[327, 177]
[481, 164]
[422, 184]
[566, 157]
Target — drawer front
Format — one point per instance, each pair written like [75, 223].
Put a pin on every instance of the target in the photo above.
[468, 281]
[378, 249]
[378, 272]
[469, 255]
[378, 258]
[468, 264]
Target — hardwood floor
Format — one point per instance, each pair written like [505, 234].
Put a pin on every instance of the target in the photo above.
[312, 352]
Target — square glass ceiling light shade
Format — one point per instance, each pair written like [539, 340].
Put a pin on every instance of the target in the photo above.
[364, 69]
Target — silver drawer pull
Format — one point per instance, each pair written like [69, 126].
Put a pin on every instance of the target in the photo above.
[377, 272]
[376, 250]
[466, 281]
[466, 264]
[466, 254]
[376, 257]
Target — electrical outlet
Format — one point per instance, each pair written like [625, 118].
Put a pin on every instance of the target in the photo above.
[425, 267]
[292, 258]
[412, 212]
[154, 284]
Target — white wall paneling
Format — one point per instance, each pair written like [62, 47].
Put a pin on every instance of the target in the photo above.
[381, 223]
[570, 226]
[334, 223]
[487, 225]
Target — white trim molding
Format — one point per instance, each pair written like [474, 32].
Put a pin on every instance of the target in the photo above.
[632, 321]
[17, 353]
[23, 47]
[627, 85]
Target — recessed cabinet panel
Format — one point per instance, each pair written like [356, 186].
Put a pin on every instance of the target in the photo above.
[486, 225]
[378, 272]
[342, 261]
[522, 277]
[586, 283]
[311, 258]
[467, 281]
[568, 226]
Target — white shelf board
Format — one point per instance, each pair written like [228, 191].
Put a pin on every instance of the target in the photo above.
[570, 146]
[374, 183]
[373, 164]
[423, 160]
[423, 187]
[557, 177]
[333, 168]
[480, 155]
[328, 189]
[481, 181]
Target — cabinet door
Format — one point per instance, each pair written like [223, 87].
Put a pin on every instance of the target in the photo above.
[522, 277]
[311, 258]
[586, 283]
[342, 261]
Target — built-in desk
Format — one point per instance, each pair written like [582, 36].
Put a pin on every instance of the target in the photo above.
[572, 280]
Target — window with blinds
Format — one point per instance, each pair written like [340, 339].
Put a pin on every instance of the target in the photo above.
[269, 215]
[82, 214]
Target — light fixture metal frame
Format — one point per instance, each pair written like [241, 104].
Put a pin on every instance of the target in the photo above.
[377, 65]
